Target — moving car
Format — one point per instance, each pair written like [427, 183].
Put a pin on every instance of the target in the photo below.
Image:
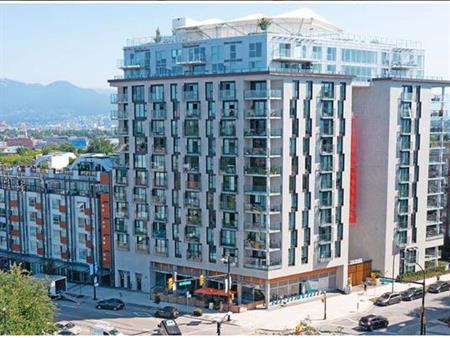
[168, 312]
[66, 328]
[388, 298]
[169, 328]
[412, 293]
[373, 322]
[111, 304]
[439, 286]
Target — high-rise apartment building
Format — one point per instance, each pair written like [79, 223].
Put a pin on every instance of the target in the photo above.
[57, 222]
[401, 179]
[236, 141]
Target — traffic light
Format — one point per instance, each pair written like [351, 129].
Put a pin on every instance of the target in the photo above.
[202, 280]
[232, 296]
[170, 283]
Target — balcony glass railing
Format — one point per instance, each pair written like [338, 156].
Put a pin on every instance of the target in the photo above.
[119, 114]
[159, 114]
[190, 95]
[262, 94]
[227, 94]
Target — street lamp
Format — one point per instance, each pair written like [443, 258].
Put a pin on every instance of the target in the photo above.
[422, 312]
[228, 283]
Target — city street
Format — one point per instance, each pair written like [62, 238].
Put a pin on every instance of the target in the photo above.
[135, 320]
[139, 320]
[403, 318]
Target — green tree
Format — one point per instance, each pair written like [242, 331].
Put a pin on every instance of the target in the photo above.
[100, 145]
[25, 306]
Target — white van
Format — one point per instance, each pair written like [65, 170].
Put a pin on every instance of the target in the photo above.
[101, 330]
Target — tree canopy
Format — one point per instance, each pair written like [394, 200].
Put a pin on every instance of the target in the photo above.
[25, 306]
[100, 145]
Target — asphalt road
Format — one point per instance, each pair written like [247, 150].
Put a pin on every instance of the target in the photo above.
[403, 317]
[136, 320]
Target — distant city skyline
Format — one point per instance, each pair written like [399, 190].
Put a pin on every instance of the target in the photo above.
[81, 43]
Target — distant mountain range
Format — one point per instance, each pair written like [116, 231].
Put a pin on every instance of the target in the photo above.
[60, 100]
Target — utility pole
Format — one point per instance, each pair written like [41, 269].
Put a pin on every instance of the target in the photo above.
[229, 282]
[324, 300]
[422, 312]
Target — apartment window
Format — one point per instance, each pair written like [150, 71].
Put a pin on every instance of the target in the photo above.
[177, 249]
[228, 238]
[285, 49]
[173, 92]
[209, 91]
[291, 257]
[309, 94]
[317, 52]
[233, 51]
[304, 255]
[137, 93]
[331, 69]
[359, 56]
[139, 161]
[331, 54]
[212, 255]
[337, 249]
[255, 50]
[217, 53]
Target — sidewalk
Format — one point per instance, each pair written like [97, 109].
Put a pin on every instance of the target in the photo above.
[278, 318]
[128, 296]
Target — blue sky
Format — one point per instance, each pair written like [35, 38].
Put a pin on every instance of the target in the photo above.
[81, 42]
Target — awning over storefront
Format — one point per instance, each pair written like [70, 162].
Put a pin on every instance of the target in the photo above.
[210, 292]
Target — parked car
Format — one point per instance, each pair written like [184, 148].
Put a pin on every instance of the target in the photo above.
[66, 328]
[439, 286]
[412, 293]
[111, 304]
[388, 298]
[169, 327]
[168, 312]
[101, 330]
[373, 322]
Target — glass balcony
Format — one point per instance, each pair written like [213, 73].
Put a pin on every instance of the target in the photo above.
[261, 189]
[190, 96]
[262, 113]
[275, 133]
[160, 233]
[193, 113]
[159, 114]
[255, 245]
[263, 171]
[227, 169]
[130, 64]
[160, 200]
[194, 185]
[194, 255]
[262, 263]
[227, 94]
[161, 150]
[191, 59]
[119, 114]
[140, 198]
[253, 207]
[194, 220]
[119, 98]
[192, 203]
[434, 233]
[232, 224]
[262, 94]
[156, 97]
[160, 217]
[254, 151]
[230, 113]
[121, 131]
[228, 205]
[250, 132]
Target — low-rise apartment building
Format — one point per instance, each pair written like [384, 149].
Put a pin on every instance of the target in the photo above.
[57, 222]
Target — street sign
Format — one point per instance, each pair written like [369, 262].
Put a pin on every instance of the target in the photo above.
[184, 283]
[188, 294]
[96, 284]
